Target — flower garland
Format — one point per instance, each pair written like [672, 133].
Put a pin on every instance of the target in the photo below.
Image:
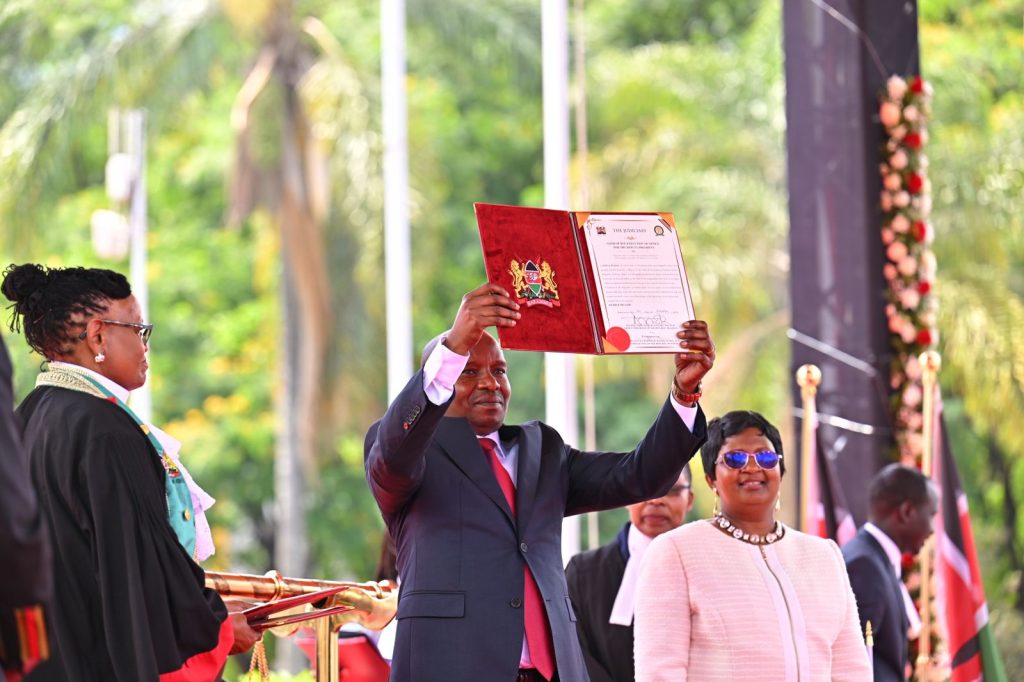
[909, 269]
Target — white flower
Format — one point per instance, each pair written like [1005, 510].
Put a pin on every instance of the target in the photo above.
[896, 87]
[901, 200]
[928, 265]
[907, 266]
[892, 182]
[928, 318]
[924, 135]
[896, 251]
[912, 395]
[898, 160]
[889, 271]
[900, 223]
[925, 205]
[911, 113]
[909, 299]
[922, 161]
[889, 114]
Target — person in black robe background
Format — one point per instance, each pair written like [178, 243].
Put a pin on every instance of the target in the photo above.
[130, 604]
[27, 582]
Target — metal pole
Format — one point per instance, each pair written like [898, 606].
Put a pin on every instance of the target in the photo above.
[930, 364]
[397, 261]
[326, 651]
[808, 377]
[559, 369]
[135, 122]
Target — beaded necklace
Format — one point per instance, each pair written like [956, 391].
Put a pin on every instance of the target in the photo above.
[729, 528]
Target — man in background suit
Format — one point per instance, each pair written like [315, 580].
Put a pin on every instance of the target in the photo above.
[477, 523]
[602, 583]
[902, 504]
[27, 582]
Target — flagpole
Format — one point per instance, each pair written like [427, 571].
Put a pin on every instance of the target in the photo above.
[930, 364]
[808, 377]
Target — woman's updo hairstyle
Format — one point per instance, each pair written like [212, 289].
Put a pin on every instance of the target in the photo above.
[49, 304]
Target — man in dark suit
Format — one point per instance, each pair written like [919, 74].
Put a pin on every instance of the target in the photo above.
[602, 583]
[477, 523]
[902, 503]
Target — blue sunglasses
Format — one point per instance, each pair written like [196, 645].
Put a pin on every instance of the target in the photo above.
[737, 459]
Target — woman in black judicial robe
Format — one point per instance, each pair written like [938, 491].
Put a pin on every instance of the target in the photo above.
[129, 602]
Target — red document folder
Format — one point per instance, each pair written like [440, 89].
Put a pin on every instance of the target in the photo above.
[540, 256]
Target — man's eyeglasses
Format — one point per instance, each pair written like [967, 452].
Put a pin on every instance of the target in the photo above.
[737, 459]
[677, 490]
[144, 330]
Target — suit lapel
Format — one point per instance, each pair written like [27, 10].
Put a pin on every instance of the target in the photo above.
[894, 581]
[527, 468]
[461, 446]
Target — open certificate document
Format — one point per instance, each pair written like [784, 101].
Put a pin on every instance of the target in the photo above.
[640, 280]
[587, 282]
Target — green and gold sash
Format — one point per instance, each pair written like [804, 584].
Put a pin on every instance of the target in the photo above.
[179, 500]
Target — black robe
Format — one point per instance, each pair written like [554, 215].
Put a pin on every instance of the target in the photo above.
[129, 603]
[23, 547]
[593, 578]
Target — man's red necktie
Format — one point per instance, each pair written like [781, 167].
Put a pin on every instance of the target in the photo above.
[535, 620]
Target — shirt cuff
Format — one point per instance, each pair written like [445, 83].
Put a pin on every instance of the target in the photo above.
[687, 414]
[441, 371]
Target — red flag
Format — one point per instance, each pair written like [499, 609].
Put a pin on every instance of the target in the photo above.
[839, 524]
[960, 597]
[825, 511]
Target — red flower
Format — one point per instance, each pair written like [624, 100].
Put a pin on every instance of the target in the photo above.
[919, 229]
[924, 337]
[912, 140]
[914, 184]
[924, 287]
[917, 85]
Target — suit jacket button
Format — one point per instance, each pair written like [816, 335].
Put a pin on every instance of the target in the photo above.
[515, 602]
[523, 547]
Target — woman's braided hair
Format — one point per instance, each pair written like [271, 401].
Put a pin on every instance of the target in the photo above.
[49, 303]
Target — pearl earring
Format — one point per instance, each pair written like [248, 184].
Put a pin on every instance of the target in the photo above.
[100, 357]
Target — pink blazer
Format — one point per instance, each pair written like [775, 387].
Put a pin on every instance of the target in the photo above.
[714, 609]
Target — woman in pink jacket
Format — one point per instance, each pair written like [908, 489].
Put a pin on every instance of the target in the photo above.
[740, 595]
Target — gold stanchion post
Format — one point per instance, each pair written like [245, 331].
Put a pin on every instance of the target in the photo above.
[808, 377]
[326, 650]
[930, 364]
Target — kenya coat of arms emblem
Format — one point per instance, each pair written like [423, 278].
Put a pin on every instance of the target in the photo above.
[534, 284]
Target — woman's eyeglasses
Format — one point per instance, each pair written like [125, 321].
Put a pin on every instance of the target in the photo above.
[737, 459]
[145, 330]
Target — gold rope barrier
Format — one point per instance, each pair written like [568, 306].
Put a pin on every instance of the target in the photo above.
[931, 362]
[372, 605]
[808, 377]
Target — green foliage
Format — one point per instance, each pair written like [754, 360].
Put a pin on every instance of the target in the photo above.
[685, 107]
